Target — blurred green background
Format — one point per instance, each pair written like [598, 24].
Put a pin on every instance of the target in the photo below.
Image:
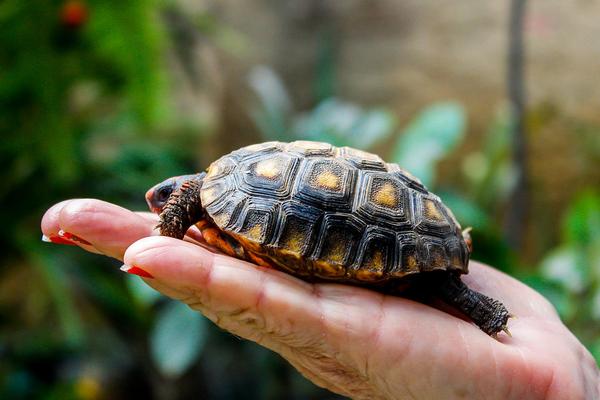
[491, 105]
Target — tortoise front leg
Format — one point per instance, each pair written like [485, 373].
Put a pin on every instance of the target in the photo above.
[182, 210]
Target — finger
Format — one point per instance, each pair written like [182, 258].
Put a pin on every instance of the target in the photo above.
[49, 222]
[235, 291]
[151, 217]
[52, 231]
[108, 228]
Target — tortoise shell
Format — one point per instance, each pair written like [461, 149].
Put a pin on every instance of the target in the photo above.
[319, 211]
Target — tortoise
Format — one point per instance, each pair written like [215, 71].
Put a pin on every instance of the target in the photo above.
[325, 213]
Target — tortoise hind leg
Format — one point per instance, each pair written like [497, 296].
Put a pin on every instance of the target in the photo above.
[488, 314]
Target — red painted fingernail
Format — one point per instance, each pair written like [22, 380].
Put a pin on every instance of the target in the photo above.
[57, 240]
[132, 269]
[73, 238]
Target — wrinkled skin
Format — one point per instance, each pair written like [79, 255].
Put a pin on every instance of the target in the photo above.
[350, 340]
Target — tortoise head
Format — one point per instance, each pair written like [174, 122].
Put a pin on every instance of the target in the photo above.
[158, 195]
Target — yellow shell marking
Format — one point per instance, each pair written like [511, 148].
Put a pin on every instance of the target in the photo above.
[386, 196]
[377, 261]
[336, 252]
[372, 268]
[412, 263]
[328, 180]
[255, 233]
[329, 269]
[431, 211]
[438, 262]
[208, 196]
[268, 169]
[221, 219]
[293, 243]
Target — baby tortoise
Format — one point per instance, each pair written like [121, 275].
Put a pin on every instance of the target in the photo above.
[323, 213]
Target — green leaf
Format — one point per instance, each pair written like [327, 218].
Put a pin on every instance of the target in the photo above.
[344, 124]
[325, 82]
[595, 305]
[582, 223]
[561, 266]
[433, 134]
[371, 128]
[177, 339]
[130, 38]
[329, 122]
[556, 294]
[595, 350]
[275, 104]
[467, 212]
[48, 265]
[491, 170]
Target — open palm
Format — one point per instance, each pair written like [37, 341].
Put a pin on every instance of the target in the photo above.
[350, 340]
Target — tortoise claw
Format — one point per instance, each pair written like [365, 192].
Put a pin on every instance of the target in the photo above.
[505, 329]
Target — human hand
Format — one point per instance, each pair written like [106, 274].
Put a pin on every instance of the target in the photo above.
[350, 340]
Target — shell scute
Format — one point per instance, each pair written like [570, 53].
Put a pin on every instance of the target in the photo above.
[326, 183]
[362, 159]
[311, 149]
[226, 210]
[384, 198]
[409, 179]
[297, 229]
[432, 254]
[429, 216]
[407, 259]
[268, 176]
[376, 255]
[336, 248]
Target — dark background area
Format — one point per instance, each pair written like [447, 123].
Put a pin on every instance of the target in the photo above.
[494, 106]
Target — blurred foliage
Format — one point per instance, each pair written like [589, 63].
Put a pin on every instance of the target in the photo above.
[85, 110]
[177, 339]
[434, 133]
[570, 273]
[332, 120]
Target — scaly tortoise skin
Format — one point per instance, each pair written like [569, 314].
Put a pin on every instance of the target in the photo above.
[323, 213]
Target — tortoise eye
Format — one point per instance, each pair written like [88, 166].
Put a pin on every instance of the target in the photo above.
[163, 193]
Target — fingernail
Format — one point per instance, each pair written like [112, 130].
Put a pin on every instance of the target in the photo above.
[73, 238]
[57, 240]
[132, 269]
